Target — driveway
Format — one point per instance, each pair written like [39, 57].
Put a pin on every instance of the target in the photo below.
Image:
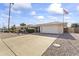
[8, 35]
[4, 50]
[29, 44]
[37, 44]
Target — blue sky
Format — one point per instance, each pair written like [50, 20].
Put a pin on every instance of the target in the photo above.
[35, 13]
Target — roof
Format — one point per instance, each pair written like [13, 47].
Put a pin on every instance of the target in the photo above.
[51, 23]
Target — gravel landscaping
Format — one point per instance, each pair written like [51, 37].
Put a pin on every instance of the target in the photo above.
[69, 46]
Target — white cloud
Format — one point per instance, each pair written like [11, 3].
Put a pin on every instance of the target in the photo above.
[52, 17]
[22, 5]
[77, 8]
[1, 18]
[4, 15]
[16, 11]
[56, 7]
[18, 7]
[67, 18]
[70, 13]
[4, 19]
[33, 13]
[12, 11]
[40, 17]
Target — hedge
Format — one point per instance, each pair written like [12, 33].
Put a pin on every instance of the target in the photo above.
[30, 30]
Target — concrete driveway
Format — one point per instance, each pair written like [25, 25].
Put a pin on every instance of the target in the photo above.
[8, 35]
[37, 44]
[4, 50]
[27, 45]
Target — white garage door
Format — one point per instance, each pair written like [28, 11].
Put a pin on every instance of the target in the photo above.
[50, 29]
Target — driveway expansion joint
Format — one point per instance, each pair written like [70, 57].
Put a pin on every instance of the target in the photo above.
[9, 48]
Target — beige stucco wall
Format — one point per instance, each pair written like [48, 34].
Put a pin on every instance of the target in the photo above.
[54, 28]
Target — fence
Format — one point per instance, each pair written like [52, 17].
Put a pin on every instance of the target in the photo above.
[73, 30]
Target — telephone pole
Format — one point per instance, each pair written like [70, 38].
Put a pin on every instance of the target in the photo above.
[10, 5]
[9, 17]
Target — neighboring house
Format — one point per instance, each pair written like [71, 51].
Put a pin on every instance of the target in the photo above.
[4, 29]
[53, 27]
[74, 28]
[20, 28]
[35, 27]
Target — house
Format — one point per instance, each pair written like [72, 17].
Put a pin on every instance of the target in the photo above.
[21, 28]
[53, 27]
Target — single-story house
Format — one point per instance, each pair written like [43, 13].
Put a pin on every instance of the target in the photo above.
[53, 27]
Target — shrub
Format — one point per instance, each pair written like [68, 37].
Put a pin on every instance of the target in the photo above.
[30, 30]
[6, 31]
[12, 31]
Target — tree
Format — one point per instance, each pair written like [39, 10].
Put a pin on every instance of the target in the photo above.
[22, 24]
[13, 28]
[23, 28]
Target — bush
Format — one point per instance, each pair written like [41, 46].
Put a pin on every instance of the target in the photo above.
[12, 31]
[30, 30]
[6, 31]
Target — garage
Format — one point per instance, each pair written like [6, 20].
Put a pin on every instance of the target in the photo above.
[56, 28]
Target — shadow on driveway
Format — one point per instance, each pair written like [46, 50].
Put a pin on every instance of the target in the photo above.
[46, 35]
[66, 36]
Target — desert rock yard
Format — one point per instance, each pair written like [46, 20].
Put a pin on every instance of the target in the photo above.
[37, 44]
